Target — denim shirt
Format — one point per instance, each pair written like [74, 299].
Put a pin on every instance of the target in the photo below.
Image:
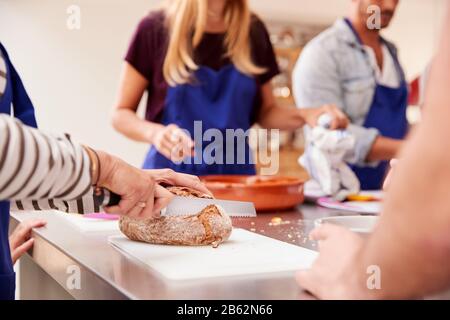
[333, 70]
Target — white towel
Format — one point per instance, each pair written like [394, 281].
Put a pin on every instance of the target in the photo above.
[324, 159]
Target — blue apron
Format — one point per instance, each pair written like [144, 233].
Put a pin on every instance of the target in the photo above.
[387, 114]
[215, 102]
[15, 95]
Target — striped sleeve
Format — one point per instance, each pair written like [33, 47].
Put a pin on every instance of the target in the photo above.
[85, 204]
[2, 75]
[35, 167]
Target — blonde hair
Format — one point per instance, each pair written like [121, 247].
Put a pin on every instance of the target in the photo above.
[187, 21]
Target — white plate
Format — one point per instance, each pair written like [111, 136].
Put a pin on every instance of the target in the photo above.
[360, 224]
[372, 207]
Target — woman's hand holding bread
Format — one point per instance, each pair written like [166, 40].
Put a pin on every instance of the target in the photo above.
[140, 190]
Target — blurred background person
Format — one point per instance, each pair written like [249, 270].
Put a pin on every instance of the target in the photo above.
[410, 245]
[352, 66]
[203, 60]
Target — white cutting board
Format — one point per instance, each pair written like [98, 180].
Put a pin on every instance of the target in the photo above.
[244, 253]
[88, 224]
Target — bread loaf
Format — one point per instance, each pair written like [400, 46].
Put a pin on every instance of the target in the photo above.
[211, 226]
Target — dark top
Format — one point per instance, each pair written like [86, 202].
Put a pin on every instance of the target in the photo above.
[149, 46]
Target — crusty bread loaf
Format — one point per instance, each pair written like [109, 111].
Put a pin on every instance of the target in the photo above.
[211, 226]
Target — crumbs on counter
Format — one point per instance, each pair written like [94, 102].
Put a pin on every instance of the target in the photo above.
[290, 231]
[277, 221]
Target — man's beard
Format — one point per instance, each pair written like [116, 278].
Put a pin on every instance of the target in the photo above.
[386, 18]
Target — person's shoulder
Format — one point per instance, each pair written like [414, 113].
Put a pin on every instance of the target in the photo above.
[257, 25]
[259, 35]
[154, 20]
[329, 40]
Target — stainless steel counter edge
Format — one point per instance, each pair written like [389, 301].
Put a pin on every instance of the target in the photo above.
[107, 273]
[61, 251]
[61, 265]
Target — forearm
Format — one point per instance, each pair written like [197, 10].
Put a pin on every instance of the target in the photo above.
[283, 118]
[411, 245]
[273, 116]
[384, 148]
[83, 205]
[99, 170]
[129, 124]
[44, 172]
[35, 165]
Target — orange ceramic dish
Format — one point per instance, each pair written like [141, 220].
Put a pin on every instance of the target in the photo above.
[267, 193]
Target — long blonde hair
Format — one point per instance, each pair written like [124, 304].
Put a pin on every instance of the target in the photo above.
[187, 21]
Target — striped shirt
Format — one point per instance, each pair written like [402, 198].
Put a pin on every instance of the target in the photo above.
[2, 75]
[35, 167]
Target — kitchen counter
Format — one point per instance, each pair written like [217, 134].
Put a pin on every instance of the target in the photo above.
[66, 263]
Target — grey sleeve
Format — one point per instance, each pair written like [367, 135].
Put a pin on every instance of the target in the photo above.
[315, 79]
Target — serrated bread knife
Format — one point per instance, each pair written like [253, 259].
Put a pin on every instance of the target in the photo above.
[182, 206]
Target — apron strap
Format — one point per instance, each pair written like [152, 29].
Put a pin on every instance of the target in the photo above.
[350, 25]
[394, 56]
[22, 105]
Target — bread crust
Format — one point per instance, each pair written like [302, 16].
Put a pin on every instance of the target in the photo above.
[211, 226]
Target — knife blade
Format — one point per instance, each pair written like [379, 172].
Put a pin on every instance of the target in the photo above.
[182, 206]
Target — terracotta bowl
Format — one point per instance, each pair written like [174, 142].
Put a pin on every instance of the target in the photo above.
[267, 193]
